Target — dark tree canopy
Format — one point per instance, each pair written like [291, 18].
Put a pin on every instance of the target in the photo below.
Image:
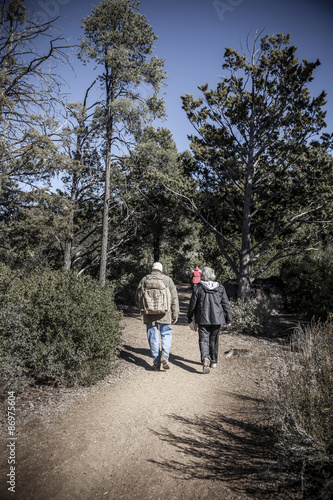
[258, 156]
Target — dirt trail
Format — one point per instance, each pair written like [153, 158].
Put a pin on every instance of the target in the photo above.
[140, 434]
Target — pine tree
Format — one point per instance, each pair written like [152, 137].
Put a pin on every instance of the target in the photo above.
[120, 40]
[259, 162]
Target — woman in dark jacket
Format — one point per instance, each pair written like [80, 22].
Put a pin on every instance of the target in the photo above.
[209, 305]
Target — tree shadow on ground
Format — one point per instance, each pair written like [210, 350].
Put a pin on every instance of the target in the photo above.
[231, 450]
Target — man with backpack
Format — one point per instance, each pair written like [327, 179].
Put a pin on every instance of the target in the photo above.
[157, 299]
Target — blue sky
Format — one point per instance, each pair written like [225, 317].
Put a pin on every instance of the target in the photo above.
[193, 35]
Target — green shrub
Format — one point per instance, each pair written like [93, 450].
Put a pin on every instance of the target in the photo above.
[308, 286]
[249, 317]
[302, 406]
[56, 328]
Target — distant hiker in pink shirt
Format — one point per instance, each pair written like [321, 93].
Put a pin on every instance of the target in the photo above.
[195, 276]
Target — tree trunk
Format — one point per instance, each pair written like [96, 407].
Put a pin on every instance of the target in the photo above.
[3, 78]
[105, 221]
[70, 235]
[244, 283]
[74, 199]
[67, 252]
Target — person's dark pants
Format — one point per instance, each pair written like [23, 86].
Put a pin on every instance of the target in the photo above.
[209, 341]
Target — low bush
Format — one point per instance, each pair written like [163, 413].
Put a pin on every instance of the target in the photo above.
[249, 317]
[302, 406]
[55, 328]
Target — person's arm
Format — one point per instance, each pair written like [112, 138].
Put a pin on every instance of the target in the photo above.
[192, 305]
[174, 302]
[138, 294]
[226, 307]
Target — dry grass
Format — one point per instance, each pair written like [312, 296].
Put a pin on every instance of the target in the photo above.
[302, 405]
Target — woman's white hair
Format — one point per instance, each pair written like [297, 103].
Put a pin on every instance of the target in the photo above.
[207, 274]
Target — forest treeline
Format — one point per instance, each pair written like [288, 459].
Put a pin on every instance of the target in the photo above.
[92, 192]
[254, 190]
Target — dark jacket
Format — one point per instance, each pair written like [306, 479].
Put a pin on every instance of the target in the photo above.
[209, 304]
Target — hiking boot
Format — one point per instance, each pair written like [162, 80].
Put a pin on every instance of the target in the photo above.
[213, 365]
[156, 367]
[165, 361]
[205, 365]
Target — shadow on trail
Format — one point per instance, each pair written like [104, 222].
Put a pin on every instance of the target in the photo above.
[135, 355]
[221, 448]
[184, 295]
[185, 364]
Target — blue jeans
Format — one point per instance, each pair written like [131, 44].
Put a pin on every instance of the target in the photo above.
[154, 339]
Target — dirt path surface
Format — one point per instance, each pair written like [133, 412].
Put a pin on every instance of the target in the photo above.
[140, 434]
